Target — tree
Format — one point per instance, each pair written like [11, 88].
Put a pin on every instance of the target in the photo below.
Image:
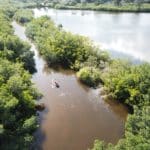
[17, 95]
[117, 2]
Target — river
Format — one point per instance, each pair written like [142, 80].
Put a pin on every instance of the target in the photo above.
[123, 34]
[75, 115]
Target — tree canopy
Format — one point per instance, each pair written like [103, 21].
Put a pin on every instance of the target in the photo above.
[17, 94]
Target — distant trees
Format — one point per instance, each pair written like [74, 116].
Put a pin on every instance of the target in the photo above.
[65, 48]
[117, 2]
[128, 83]
[74, 2]
[124, 82]
[99, 5]
[12, 48]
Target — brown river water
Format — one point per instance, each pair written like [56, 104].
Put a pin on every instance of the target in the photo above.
[75, 115]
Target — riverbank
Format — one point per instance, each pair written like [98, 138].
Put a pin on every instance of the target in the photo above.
[126, 83]
[107, 7]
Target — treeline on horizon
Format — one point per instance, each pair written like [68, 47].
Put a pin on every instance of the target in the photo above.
[86, 1]
[98, 5]
[97, 2]
[104, 5]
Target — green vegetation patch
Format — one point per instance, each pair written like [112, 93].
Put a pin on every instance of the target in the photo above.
[127, 7]
[59, 47]
[23, 16]
[18, 118]
[128, 83]
[90, 76]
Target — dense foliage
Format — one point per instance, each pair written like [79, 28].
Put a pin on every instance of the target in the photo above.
[89, 76]
[128, 83]
[106, 5]
[127, 7]
[102, 5]
[23, 16]
[17, 4]
[12, 48]
[63, 48]
[17, 94]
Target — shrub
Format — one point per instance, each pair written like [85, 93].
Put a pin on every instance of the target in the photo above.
[23, 16]
[90, 76]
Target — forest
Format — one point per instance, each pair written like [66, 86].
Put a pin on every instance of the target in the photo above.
[18, 96]
[98, 5]
[122, 81]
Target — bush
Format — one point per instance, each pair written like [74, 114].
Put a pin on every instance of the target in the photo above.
[23, 16]
[63, 48]
[18, 118]
[128, 83]
[90, 76]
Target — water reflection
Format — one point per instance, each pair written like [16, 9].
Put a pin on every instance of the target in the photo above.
[128, 33]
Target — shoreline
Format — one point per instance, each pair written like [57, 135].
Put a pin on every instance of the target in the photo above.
[102, 8]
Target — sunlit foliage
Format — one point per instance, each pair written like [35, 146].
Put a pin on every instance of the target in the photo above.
[17, 94]
[23, 16]
[128, 83]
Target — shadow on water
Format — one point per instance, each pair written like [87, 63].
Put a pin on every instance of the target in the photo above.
[39, 135]
[39, 139]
